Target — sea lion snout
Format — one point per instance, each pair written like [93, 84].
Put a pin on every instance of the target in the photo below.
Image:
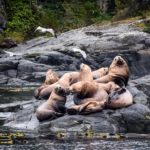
[70, 90]
[82, 66]
[106, 69]
[60, 90]
[119, 60]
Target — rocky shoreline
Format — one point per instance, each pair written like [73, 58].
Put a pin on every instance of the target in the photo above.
[30, 61]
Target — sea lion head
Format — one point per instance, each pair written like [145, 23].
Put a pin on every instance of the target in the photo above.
[119, 61]
[51, 77]
[104, 70]
[60, 90]
[84, 67]
[120, 71]
[113, 86]
[75, 88]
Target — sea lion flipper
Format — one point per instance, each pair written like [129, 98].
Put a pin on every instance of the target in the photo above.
[114, 95]
[90, 107]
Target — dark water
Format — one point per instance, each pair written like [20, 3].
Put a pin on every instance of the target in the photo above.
[83, 145]
[9, 96]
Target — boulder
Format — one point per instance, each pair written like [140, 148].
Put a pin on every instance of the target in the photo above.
[26, 69]
[8, 43]
[8, 63]
[132, 119]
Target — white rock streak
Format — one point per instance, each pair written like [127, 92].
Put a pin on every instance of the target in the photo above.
[76, 49]
[9, 53]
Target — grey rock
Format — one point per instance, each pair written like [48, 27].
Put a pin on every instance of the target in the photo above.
[101, 45]
[8, 63]
[132, 119]
[27, 68]
[143, 84]
[147, 42]
[17, 82]
[138, 96]
[11, 73]
[3, 79]
[4, 116]
[39, 76]
[14, 107]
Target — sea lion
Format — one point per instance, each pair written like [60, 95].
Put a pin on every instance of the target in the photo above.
[90, 96]
[54, 107]
[99, 72]
[119, 98]
[51, 77]
[66, 80]
[85, 73]
[118, 72]
[44, 91]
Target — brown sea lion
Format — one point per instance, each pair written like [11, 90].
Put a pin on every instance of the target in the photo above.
[51, 77]
[90, 96]
[100, 72]
[85, 73]
[119, 98]
[54, 107]
[66, 80]
[118, 72]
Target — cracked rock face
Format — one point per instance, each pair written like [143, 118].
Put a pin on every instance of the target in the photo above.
[101, 44]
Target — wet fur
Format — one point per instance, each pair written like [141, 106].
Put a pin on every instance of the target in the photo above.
[120, 98]
[91, 96]
[54, 107]
[118, 72]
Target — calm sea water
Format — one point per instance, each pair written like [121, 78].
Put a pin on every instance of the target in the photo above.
[83, 145]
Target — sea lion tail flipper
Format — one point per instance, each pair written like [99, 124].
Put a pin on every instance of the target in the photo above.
[58, 114]
[115, 94]
[91, 107]
[73, 110]
[47, 115]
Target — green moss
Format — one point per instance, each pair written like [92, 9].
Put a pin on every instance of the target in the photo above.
[145, 26]
[16, 36]
[33, 55]
[121, 4]
[1, 38]
[146, 29]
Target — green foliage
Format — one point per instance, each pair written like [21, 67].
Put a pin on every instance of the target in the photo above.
[131, 8]
[25, 15]
[146, 27]
[1, 38]
[21, 17]
[121, 4]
